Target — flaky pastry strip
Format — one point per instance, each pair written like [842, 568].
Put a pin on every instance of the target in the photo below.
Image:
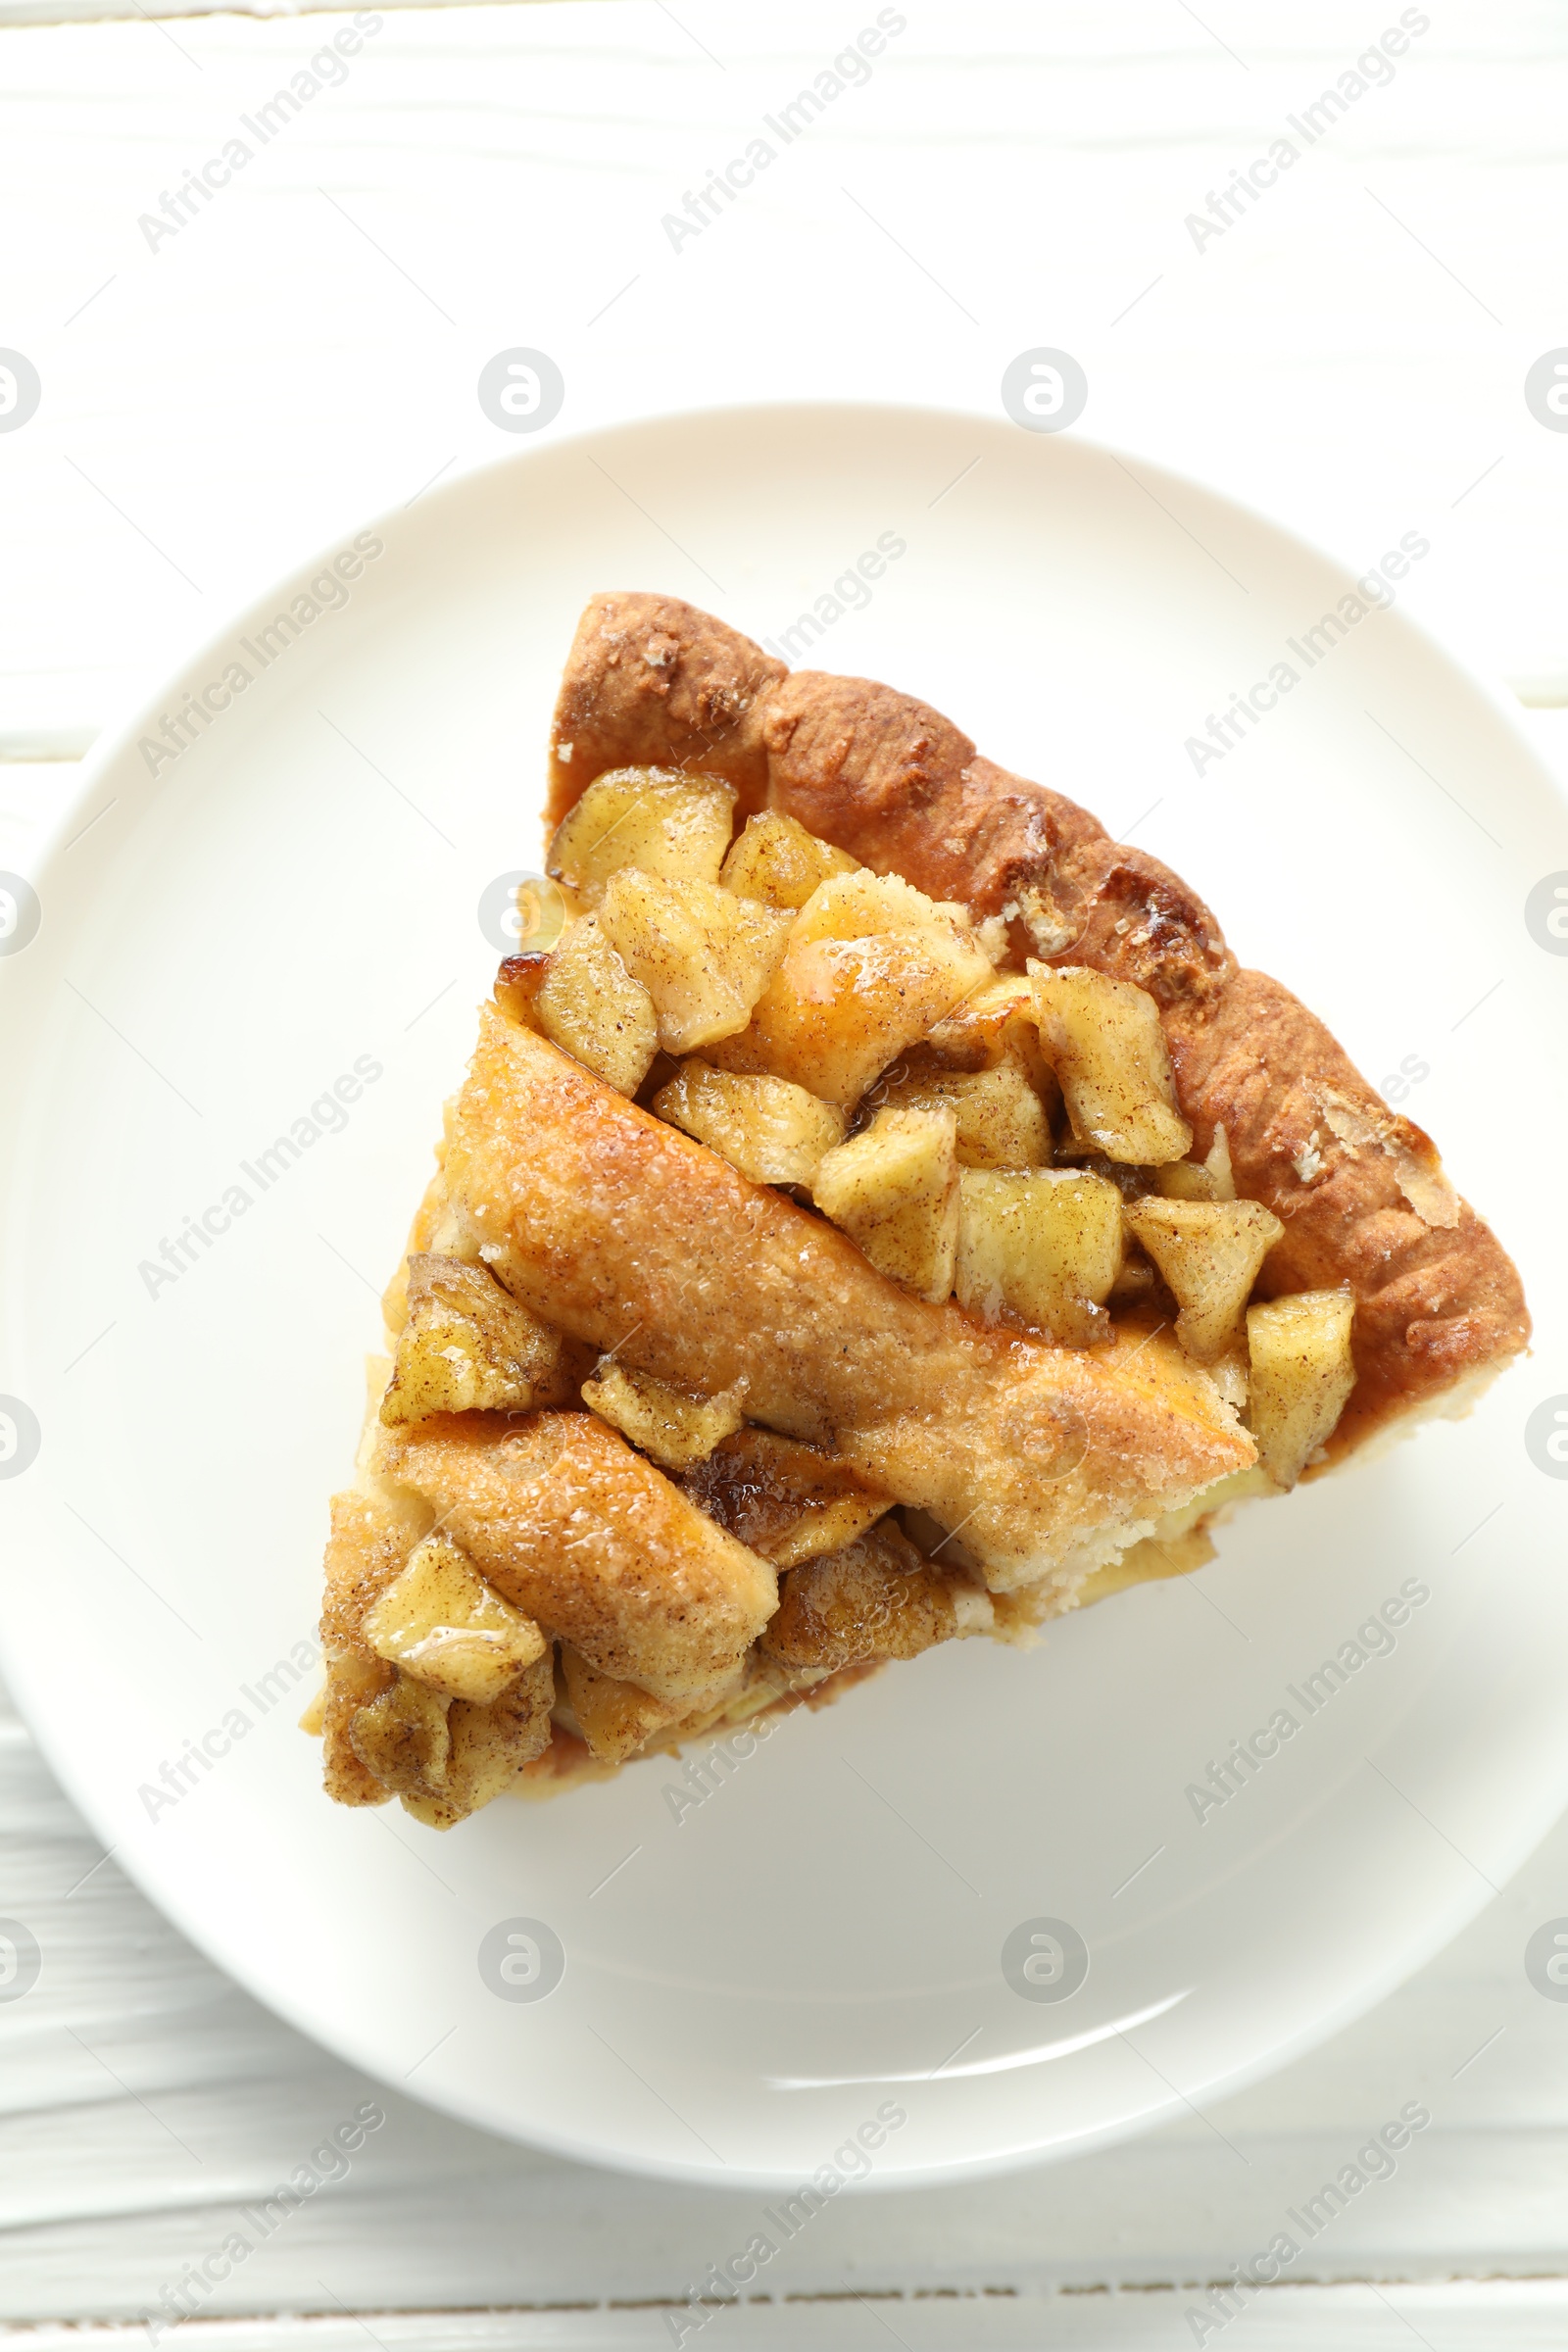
[625, 1233]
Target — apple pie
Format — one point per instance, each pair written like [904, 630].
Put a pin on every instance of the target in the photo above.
[885, 1216]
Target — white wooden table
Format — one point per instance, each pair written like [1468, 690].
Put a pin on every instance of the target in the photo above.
[1349, 354]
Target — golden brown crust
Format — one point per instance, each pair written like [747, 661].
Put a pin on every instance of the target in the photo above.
[879, 775]
[643, 689]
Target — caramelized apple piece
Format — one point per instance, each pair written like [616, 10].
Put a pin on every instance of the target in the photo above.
[673, 1426]
[1301, 1373]
[591, 1007]
[1104, 1039]
[658, 820]
[781, 1499]
[467, 1346]
[1210, 1253]
[775, 860]
[771, 1129]
[516, 985]
[1045, 1244]
[1001, 1120]
[440, 1622]
[894, 1188]
[871, 964]
[703, 954]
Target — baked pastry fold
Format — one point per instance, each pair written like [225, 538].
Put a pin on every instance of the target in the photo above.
[888, 1216]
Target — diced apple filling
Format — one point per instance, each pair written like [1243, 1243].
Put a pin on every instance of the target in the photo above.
[614, 1718]
[1303, 1371]
[894, 1188]
[657, 819]
[467, 1347]
[1001, 1120]
[1044, 1245]
[775, 860]
[672, 1426]
[441, 1623]
[590, 1006]
[703, 955]
[771, 1129]
[1210, 1253]
[871, 964]
[1104, 1039]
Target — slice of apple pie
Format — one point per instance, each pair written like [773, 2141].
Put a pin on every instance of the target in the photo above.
[886, 1215]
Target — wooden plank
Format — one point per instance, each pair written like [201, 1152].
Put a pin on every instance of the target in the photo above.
[147, 2106]
[292, 361]
[1469, 2317]
[221, 403]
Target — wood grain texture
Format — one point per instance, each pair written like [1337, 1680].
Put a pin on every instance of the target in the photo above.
[303, 353]
[1348, 357]
[145, 2103]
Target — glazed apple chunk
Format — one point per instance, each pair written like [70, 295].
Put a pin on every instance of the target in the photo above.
[1302, 1374]
[771, 1129]
[1211, 1253]
[894, 1188]
[776, 861]
[870, 965]
[703, 955]
[1042, 1244]
[659, 821]
[468, 1346]
[440, 1622]
[672, 1426]
[1104, 1039]
[591, 1007]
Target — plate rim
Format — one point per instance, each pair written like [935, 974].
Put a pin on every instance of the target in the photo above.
[116, 740]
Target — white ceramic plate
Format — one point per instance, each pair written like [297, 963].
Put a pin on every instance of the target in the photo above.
[750, 1979]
